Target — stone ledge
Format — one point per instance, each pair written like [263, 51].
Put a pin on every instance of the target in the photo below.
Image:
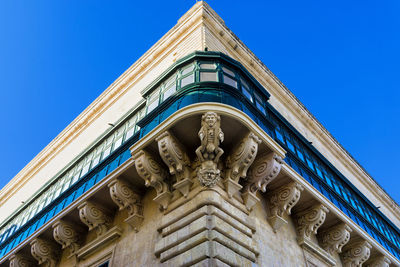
[99, 242]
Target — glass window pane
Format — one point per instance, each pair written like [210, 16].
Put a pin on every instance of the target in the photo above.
[169, 91]
[247, 93]
[228, 71]
[117, 143]
[208, 76]
[207, 66]
[260, 107]
[187, 69]
[152, 105]
[187, 80]
[106, 152]
[228, 80]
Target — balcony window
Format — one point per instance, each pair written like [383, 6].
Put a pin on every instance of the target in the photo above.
[246, 90]
[229, 77]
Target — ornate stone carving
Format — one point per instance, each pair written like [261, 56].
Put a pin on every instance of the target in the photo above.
[282, 201]
[154, 175]
[239, 162]
[67, 236]
[357, 254]
[125, 198]
[263, 171]
[208, 173]
[20, 260]
[210, 135]
[175, 157]
[336, 237]
[310, 220]
[45, 252]
[95, 217]
[209, 151]
[381, 261]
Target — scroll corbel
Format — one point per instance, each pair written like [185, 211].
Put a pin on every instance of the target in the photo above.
[175, 157]
[154, 175]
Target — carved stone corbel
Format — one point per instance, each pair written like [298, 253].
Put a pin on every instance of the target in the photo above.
[209, 152]
[380, 261]
[357, 254]
[126, 198]
[239, 162]
[67, 235]
[154, 175]
[335, 238]
[265, 169]
[282, 201]
[310, 220]
[45, 252]
[20, 260]
[95, 217]
[178, 162]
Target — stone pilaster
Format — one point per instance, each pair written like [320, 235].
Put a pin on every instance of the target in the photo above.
[20, 260]
[281, 202]
[265, 169]
[125, 198]
[209, 231]
[335, 238]
[154, 176]
[356, 254]
[239, 161]
[45, 252]
[380, 261]
[178, 162]
[94, 217]
[67, 236]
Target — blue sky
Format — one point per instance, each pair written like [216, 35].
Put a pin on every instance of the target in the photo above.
[340, 58]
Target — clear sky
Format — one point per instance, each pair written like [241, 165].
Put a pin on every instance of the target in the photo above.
[340, 58]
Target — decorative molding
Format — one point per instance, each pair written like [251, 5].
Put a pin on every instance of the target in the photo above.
[102, 241]
[282, 201]
[209, 152]
[265, 169]
[174, 156]
[357, 254]
[335, 238]
[45, 252]
[380, 261]
[20, 260]
[310, 220]
[67, 236]
[126, 198]
[154, 175]
[95, 217]
[239, 161]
